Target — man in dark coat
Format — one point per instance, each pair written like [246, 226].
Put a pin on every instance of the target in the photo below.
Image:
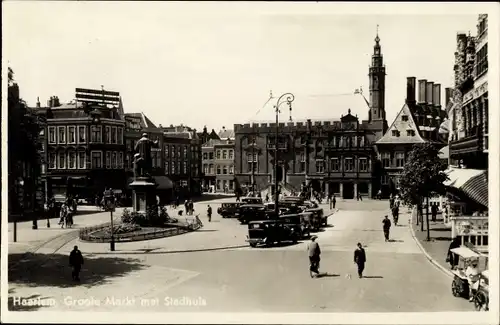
[451, 257]
[333, 201]
[209, 213]
[314, 256]
[76, 261]
[386, 227]
[360, 259]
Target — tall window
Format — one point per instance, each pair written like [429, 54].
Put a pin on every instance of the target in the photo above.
[61, 164]
[231, 170]
[108, 159]
[81, 134]
[218, 170]
[205, 168]
[363, 165]
[167, 153]
[224, 154]
[185, 168]
[120, 135]
[252, 162]
[107, 131]
[173, 168]
[218, 184]
[179, 153]
[113, 135]
[52, 134]
[114, 160]
[334, 164]
[400, 159]
[231, 184]
[173, 151]
[348, 165]
[210, 155]
[386, 159]
[81, 159]
[211, 169]
[61, 134]
[224, 170]
[218, 154]
[120, 160]
[231, 154]
[72, 160]
[96, 159]
[71, 134]
[167, 169]
[179, 167]
[52, 160]
[96, 134]
[320, 166]
[205, 156]
[302, 165]
[384, 180]
[185, 152]
[482, 60]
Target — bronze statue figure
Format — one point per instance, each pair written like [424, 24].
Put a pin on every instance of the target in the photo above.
[142, 158]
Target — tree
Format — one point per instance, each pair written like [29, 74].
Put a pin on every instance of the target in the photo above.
[23, 146]
[422, 177]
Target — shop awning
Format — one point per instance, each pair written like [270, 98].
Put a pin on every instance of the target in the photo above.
[477, 188]
[164, 183]
[473, 182]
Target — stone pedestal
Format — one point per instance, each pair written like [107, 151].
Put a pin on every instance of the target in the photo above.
[143, 194]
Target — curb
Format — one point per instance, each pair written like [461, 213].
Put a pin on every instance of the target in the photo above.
[159, 252]
[432, 260]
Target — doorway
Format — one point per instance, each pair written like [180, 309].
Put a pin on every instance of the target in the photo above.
[279, 174]
[348, 190]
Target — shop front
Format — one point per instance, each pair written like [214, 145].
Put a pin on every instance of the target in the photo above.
[472, 230]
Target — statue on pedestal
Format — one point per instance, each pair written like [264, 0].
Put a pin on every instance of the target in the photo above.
[142, 158]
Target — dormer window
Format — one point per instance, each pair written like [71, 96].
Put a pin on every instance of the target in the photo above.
[404, 118]
[410, 133]
[395, 133]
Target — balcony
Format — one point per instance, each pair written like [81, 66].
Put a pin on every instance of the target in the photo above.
[472, 142]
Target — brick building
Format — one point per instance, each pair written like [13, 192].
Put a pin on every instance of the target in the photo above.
[418, 121]
[84, 144]
[176, 162]
[333, 155]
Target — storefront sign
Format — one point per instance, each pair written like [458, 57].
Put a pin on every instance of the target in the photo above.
[469, 226]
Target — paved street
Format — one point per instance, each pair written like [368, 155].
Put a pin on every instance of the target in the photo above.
[214, 270]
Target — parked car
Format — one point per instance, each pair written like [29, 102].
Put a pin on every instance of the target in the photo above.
[251, 212]
[229, 210]
[269, 232]
[318, 218]
[300, 222]
[252, 200]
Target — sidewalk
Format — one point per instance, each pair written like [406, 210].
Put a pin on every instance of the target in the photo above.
[436, 249]
[31, 240]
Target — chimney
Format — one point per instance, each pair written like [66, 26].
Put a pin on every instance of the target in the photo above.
[437, 95]
[422, 90]
[447, 93]
[410, 89]
[429, 92]
[38, 102]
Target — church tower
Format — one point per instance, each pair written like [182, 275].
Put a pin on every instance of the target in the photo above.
[377, 84]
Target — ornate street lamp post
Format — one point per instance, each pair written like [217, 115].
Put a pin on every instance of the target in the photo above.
[285, 98]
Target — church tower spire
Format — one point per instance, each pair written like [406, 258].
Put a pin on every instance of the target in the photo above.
[377, 83]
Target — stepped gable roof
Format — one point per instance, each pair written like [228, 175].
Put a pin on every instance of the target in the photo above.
[226, 134]
[329, 107]
[145, 122]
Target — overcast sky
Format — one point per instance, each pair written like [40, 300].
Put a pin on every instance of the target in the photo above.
[214, 64]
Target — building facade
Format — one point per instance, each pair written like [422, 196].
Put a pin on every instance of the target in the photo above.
[176, 161]
[84, 145]
[418, 121]
[218, 163]
[469, 115]
[334, 156]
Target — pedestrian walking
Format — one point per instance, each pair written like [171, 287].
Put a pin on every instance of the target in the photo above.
[333, 201]
[314, 256]
[434, 211]
[359, 197]
[395, 214]
[386, 227]
[391, 201]
[209, 213]
[76, 262]
[360, 259]
[62, 214]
